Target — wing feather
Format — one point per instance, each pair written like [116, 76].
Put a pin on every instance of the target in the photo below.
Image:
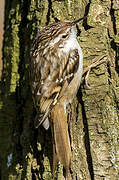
[50, 75]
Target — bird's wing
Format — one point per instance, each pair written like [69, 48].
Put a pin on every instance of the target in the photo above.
[50, 75]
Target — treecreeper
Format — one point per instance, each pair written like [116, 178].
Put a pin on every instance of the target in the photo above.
[56, 65]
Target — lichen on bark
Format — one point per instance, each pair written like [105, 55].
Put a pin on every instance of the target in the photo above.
[26, 153]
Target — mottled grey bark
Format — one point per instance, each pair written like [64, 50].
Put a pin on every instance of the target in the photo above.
[26, 153]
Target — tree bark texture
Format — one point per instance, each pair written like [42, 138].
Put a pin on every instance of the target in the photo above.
[1, 32]
[26, 153]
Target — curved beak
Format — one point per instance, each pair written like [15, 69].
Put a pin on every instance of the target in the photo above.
[78, 20]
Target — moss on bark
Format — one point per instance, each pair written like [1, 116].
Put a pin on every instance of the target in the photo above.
[26, 153]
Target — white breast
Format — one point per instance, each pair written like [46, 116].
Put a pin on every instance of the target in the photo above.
[72, 43]
[73, 87]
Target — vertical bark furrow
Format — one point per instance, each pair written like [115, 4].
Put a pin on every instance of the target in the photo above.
[26, 153]
[87, 138]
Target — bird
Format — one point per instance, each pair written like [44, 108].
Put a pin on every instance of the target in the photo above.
[56, 66]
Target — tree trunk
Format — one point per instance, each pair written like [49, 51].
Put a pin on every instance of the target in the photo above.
[1, 32]
[26, 153]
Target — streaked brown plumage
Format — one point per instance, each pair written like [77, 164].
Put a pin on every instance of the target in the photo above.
[55, 75]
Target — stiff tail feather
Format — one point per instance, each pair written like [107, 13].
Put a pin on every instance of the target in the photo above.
[61, 136]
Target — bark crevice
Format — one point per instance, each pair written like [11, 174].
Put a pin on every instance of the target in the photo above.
[114, 45]
[86, 136]
[50, 12]
[113, 19]
[86, 13]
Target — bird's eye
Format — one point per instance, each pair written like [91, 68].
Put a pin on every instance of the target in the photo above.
[64, 36]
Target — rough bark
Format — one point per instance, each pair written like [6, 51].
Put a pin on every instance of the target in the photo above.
[1, 32]
[26, 153]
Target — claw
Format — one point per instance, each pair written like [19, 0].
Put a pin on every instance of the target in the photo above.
[86, 80]
[88, 69]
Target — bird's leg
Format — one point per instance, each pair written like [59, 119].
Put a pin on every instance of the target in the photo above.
[88, 69]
